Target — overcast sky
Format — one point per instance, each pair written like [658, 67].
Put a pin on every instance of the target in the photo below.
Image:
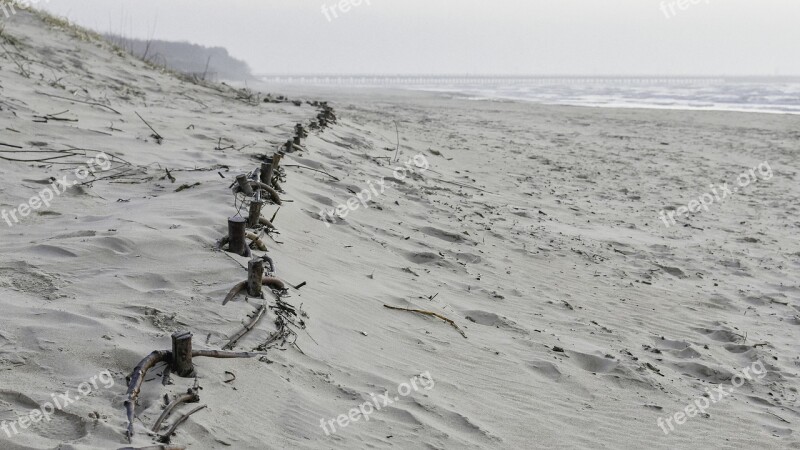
[471, 36]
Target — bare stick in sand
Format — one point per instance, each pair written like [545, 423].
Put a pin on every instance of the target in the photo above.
[247, 328]
[311, 168]
[21, 68]
[429, 313]
[191, 396]
[182, 354]
[255, 277]
[81, 101]
[168, 435]
[397, 129]
[156, 134]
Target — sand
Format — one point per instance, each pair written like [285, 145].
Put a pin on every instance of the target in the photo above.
[535, 229]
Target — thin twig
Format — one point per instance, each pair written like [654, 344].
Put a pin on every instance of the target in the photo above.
[156, 135]
[81, 101]
[429, 313]
[397, 129]
[310, 168]
[463, 185]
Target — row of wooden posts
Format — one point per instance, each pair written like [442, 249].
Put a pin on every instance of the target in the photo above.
[260, 184]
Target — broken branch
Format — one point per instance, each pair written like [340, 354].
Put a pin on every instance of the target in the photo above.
[429, 313]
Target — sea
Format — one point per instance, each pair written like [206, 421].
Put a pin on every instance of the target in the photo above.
[777, 95]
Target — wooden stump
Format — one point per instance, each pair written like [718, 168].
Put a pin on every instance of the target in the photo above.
[244, 184]
[255, 213]
[182, 354]
[297, 140]
[237, 229]
[255, 277]
[276, 161]
[266, 172]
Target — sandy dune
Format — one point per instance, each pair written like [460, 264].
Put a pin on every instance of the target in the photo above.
[535, 229]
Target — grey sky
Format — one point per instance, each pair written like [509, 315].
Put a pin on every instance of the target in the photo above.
[471, 36]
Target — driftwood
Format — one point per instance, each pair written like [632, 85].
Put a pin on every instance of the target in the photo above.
[257, 242]
[247, 328]
[252, 185]
[165, 438]
[191, 396]
[272, 268]
[429, 313]
[266, 223]
[270, 282]
[137, 377]
[234, 292]
[274, 283]
[136, 380]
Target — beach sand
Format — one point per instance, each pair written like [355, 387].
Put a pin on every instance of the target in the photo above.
[535, 229]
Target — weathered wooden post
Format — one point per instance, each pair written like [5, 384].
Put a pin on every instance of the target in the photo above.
[255, 213]
[276, 161]
[255, 277]
[266, 172]
[237, 230]
[182, 354]
[244, 184]
[297, 140]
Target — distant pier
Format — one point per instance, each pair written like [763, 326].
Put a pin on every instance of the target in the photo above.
[480, 80]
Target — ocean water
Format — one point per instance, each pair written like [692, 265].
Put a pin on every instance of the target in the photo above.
[724, 95]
